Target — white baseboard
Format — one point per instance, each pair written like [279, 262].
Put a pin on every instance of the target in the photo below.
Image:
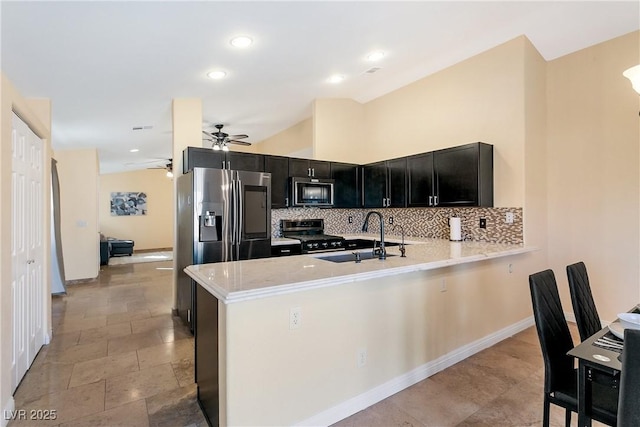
[381, 392]
[7, 411]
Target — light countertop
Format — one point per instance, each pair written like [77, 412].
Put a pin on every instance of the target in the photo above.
[259, 278]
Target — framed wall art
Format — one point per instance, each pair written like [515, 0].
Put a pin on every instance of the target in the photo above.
[128, 203]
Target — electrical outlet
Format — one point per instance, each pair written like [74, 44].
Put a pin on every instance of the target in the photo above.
[390, 220]
[483, 222]
[509, 218]
[350, 219]
[361, 358]
[295, 317]
[443, 285]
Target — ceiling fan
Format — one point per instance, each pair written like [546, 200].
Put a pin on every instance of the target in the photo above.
[220, 139]
[168, 166]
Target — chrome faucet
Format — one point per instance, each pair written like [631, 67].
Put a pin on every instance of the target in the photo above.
[382, 252]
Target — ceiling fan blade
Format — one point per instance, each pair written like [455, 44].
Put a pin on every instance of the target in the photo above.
[241, 136]
[233, 141]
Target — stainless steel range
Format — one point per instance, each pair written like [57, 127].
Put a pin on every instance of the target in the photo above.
[311, 233]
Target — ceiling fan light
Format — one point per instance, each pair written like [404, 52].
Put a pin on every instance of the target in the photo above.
[216, 147]
[633, 74]
[217, 74]
[241, 41]
[225, 148]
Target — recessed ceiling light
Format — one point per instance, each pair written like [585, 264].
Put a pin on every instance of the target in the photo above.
[375, 56]
[134, 150]
[336, 78]
[241, 41]
[217, 74]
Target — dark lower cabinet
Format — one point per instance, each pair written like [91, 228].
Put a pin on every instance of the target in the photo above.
[278, 167]
[286, 250]
[207, 355]
[347, 188]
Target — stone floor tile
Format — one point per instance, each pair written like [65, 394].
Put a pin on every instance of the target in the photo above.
[132, 414]
[138, 385]
[104, 367]
[177, 407]
[165, 353]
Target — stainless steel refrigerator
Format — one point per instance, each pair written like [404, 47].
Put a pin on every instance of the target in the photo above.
[223, 215]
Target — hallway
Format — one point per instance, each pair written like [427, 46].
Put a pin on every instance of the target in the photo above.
[117, 356]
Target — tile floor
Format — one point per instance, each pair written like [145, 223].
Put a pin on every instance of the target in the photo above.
[118, 358]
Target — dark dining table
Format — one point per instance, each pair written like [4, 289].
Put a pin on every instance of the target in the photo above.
[596, 364]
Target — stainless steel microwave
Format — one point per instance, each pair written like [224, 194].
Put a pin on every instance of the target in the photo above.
[311, 192]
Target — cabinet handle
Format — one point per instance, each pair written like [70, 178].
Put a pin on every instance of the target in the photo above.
[223, 164]
[384, 202]
[228, 164]
[308, 171]
[285, 251]
[435, 198]
[286, 201]
[313, 172]
[430, 200]
[389, 202]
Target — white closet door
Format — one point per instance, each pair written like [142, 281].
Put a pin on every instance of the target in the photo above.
[27, 284]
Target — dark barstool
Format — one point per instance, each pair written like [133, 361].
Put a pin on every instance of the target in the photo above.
[560, 376]
[584, 308]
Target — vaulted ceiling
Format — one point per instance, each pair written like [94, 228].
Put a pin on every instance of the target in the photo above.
[110, 67]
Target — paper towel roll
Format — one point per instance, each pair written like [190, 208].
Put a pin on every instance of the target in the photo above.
[456, 229]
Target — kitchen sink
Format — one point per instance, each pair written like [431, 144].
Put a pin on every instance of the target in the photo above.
[349, 257]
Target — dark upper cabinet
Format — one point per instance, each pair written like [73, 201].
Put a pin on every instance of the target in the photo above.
[385, 184]
[310, 168]
[197, 157]
[346, 186]
[420, 189]
[463, 176]
[279, 169]
[244, 161]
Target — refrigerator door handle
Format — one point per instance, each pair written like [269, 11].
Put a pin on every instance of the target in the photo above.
[240, 211]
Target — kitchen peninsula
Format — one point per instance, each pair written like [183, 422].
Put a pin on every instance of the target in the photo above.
[305, 340]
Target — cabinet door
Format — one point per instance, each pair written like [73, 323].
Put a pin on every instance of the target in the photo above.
[374, 185]
[197, 157]
[397, 187]
[245, 162]
[299, 167]
[346, 186]
[456, 175]
[420, 180]
[320, 169]
[279, 169]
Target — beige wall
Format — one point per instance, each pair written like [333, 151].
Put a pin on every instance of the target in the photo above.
[151, 231]
[37, 114]
[78, 172]
[338, 129]
[593, 178]
[297, 138]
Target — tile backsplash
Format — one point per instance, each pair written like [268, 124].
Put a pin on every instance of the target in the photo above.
[418, 222]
